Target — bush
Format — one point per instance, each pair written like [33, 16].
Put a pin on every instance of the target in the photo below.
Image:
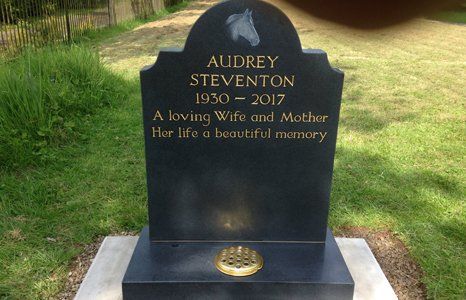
[43, 95]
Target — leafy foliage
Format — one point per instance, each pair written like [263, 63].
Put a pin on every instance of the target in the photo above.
[15, 10]
[44, 94]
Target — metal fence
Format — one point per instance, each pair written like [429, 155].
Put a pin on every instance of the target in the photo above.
[39, 22]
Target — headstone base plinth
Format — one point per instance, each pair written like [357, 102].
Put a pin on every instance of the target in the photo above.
[172, 270]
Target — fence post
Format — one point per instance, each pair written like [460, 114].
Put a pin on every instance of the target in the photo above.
[67, 21]
[111, 13]
[4, 35]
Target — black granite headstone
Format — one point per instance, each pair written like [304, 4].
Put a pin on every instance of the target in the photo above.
[240, 130]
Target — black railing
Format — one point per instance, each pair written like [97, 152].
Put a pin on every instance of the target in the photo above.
[39, 22]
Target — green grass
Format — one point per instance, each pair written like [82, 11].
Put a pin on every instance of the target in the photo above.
[44, 93]
[452, 16]
[91, 188]
[399, 163]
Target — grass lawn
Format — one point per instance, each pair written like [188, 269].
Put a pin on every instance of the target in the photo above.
[452, 16]
[399, 163]
[457, 15]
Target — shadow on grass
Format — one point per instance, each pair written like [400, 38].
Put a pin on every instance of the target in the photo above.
[420, 205]
[365, 121]
[362, 120]
[369, 170]
[370, 187]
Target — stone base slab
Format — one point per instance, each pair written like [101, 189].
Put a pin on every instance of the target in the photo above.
[186, 270]
[104, 278]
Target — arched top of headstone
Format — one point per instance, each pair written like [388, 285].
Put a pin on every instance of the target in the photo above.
[241, 130]
[245, 26]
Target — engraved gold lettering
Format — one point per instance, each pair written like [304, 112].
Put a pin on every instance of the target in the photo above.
[229, 116]
[250, 62]
[224, 63]
[157, 116]
[185, 133]
[260, 64]
[263, 118]
[194, 80]
[212, 61]
[289, 80]
[276, 81]
[238, 61]
[239, 81]
[204, 78]
[157, 132]
[251, 81]
[214, 80]
[310, 135]
[264, 79]
[303, 118]
[227, 82]
[204, 119]
[272, 61]
[204, 98]
[257, 133]
[323, 135]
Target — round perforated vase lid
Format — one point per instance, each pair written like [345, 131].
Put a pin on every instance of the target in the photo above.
[238, 261]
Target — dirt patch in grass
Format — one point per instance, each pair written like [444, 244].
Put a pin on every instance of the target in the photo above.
[130, 51]
[79, 269]
[403, 273]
